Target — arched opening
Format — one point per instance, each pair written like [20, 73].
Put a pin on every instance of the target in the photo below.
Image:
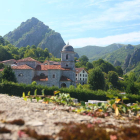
[42, 74]
[66, 56]
[63, 85]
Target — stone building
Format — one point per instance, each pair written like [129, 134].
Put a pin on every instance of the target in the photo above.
[60, 74]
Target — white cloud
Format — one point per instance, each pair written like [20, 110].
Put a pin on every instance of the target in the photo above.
[123, 38]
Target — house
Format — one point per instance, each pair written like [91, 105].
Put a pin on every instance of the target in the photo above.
[9, 62]
[81, 76]
[61, 74]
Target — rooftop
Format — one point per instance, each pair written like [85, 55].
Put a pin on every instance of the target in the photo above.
[27, 59]
[49, 67]
[78, 70]
[68, 48]
[21, 67]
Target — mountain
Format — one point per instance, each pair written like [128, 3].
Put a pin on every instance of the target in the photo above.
[96, 52]
[35, 32]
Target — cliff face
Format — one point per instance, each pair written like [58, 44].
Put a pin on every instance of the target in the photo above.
[126, 62]
[131, 60]
[34, 32]
[135, 58]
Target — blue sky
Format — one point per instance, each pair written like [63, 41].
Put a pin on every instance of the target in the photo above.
[80, 22]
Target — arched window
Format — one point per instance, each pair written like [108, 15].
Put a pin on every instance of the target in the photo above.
[63, 85]
[66, 56]
[42, 74]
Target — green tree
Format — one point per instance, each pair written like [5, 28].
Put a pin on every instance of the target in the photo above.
[103, 65]
[96, 79]
[131, 88]
[132, 77]
[89, 65]
[2, 41]
[119, 70]
[8, 74]
[83, 60]
[1, 65]
[113, 78]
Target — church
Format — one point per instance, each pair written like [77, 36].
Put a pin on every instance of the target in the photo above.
[62, 74]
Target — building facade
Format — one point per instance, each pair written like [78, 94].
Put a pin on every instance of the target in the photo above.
[61, 74]
[81, 76]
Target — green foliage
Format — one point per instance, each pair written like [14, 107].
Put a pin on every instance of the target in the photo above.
[4, 54]
[8, 74]
[113, 78]
[103, 65]
[89, 65]
[119, 70]
[81, 94]
[96, 79]
[132, 77]
[1, 65]
[34, 83]
[79, 86]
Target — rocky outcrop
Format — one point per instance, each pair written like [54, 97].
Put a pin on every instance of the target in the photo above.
[129, 46]
[35, 32]
[126, 62]
[135, 58]
[117, 63]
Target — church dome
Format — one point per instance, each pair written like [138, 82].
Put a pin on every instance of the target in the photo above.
[68, 48]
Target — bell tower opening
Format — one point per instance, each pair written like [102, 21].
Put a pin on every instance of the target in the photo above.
[67, 56]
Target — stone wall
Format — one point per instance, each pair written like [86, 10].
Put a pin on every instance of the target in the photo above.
[24, 76]
[57, 75]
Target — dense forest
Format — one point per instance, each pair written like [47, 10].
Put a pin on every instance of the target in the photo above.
[9, 51]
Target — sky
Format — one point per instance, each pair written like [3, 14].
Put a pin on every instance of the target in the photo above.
[80, 22]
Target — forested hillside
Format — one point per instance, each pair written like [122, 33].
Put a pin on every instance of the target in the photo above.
[9, 51]
[96, 52]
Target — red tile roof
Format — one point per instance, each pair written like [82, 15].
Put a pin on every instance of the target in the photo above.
[27, 59]
[8, 60]
[64, 78]
[49, 67]
[78, 70]
[22, 67]
[1, 69]
[40, 78]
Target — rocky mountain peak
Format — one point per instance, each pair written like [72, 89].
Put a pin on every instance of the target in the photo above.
[35, 32]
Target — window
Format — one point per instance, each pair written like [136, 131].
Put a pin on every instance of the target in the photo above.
[53, 75]
[80, 78]
[20, 74]
[83, 71]
[83, 79]
[66, 65]
[42, 74]
[80, 74]
[66, 56]
[76, 78]
[83, 75]
[76, 74]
